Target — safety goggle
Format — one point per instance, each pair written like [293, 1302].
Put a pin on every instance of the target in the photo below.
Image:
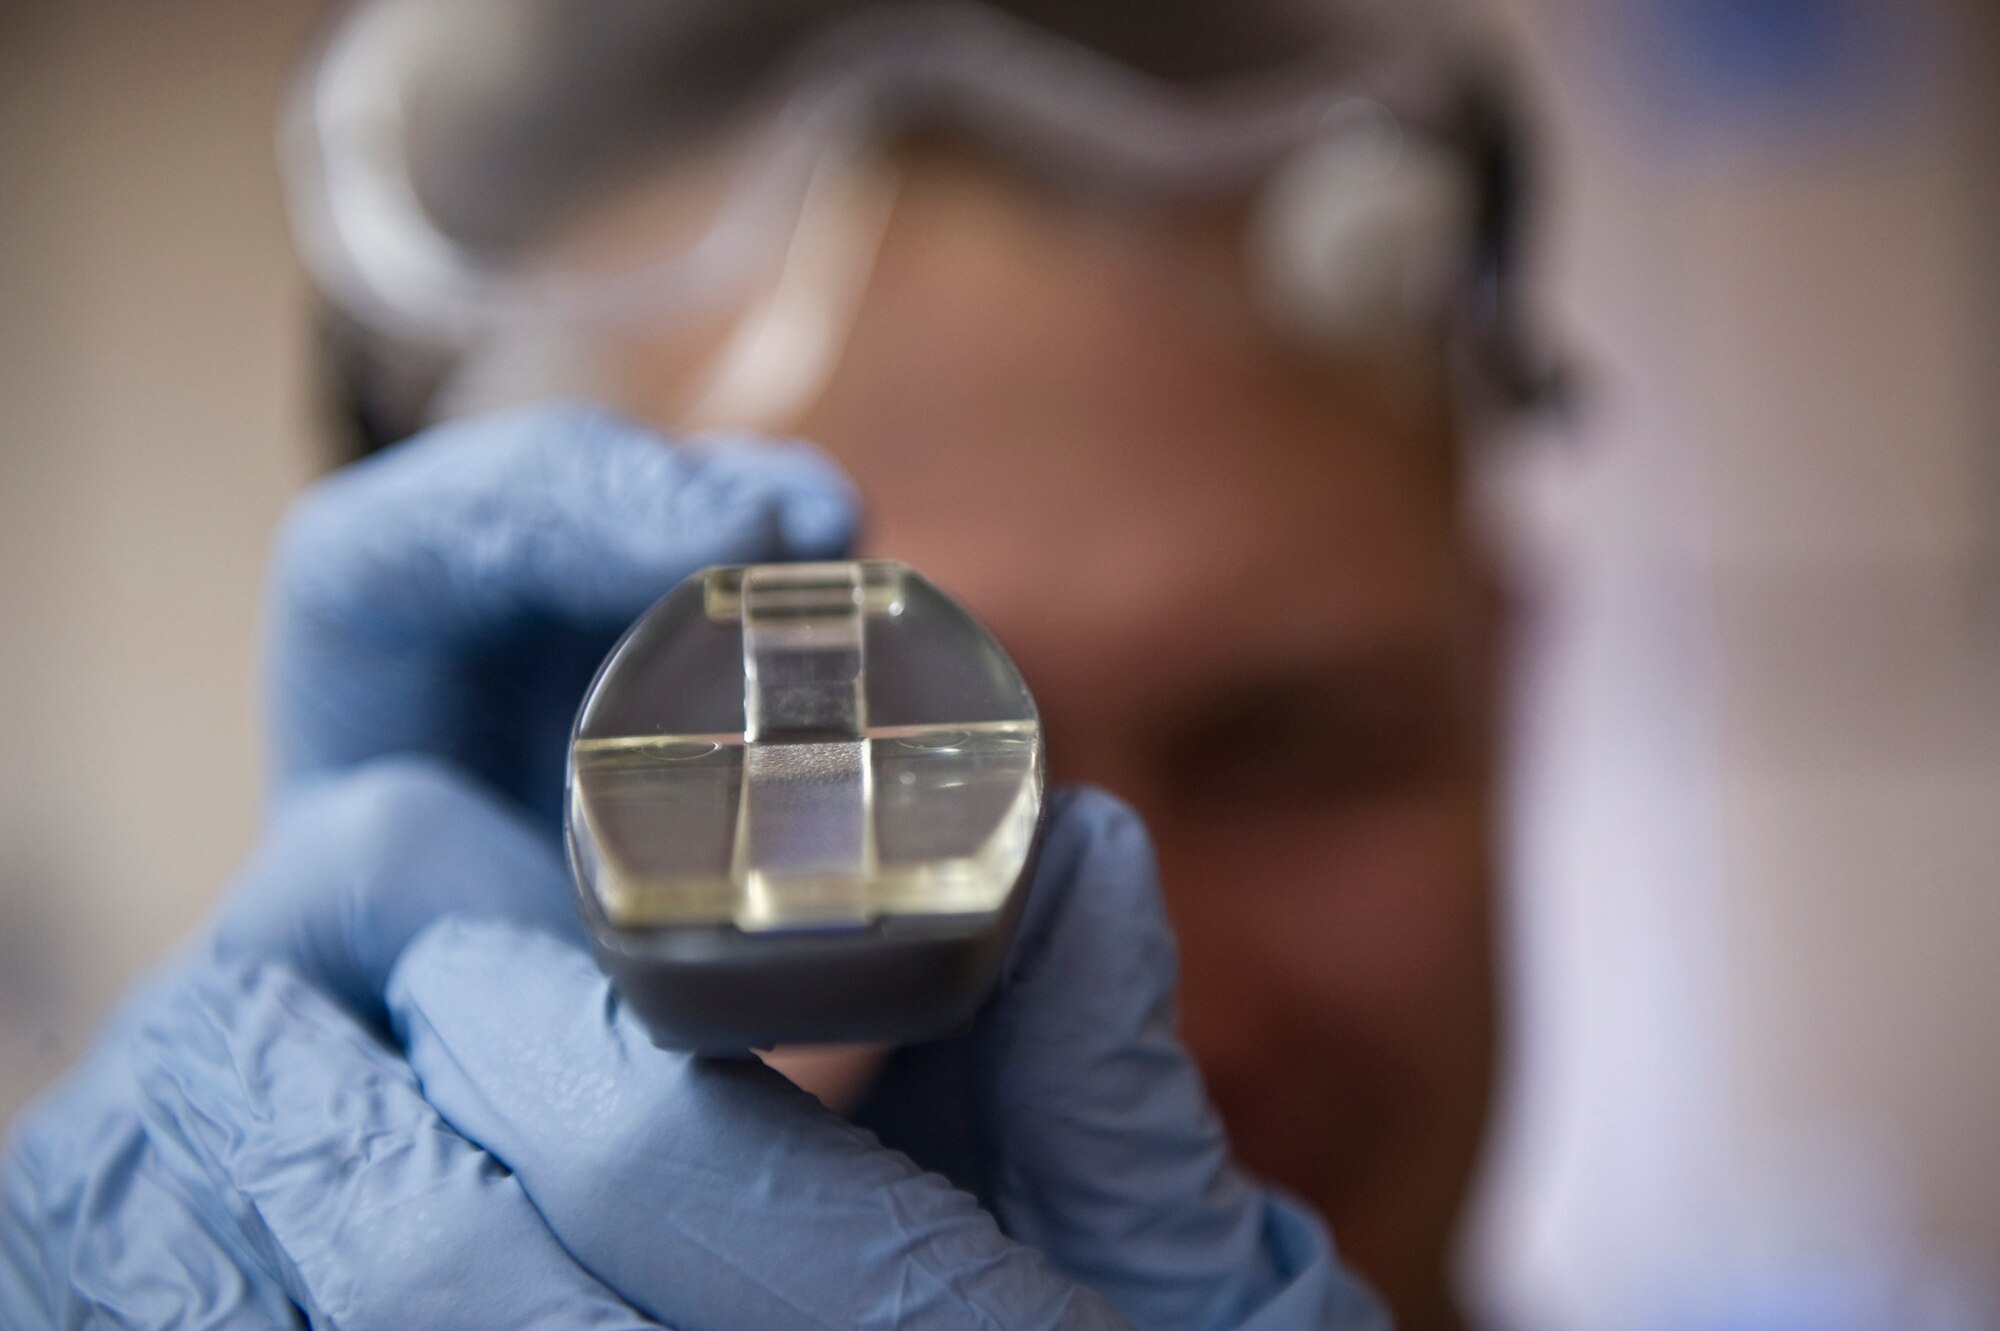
[443, 157]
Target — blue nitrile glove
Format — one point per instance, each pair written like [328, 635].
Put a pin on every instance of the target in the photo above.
[375, 1214]
[448, 598]
[453, 595]
[536, 1161]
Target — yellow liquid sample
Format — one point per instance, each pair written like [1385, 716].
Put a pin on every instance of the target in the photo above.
[906, 820]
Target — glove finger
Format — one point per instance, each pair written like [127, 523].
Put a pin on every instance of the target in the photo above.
[711, 1193]
[353, 866]
[298, 1133]
[1103, 1149]
[453, 595]
[95, 1230]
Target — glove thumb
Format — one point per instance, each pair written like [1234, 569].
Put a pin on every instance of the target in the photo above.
[1101, 1147]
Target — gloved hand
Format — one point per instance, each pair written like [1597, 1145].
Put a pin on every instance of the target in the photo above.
[448, 598]
[518, 1154]
[246, 1138]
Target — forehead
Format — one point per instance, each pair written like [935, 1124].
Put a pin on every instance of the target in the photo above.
[1075, 426]
[1186, 547]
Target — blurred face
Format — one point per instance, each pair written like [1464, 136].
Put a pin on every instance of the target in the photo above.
[1235, 578]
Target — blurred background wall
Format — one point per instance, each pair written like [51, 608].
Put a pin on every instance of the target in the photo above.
[1759, 844]
[1760, 789]
[153, 421]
